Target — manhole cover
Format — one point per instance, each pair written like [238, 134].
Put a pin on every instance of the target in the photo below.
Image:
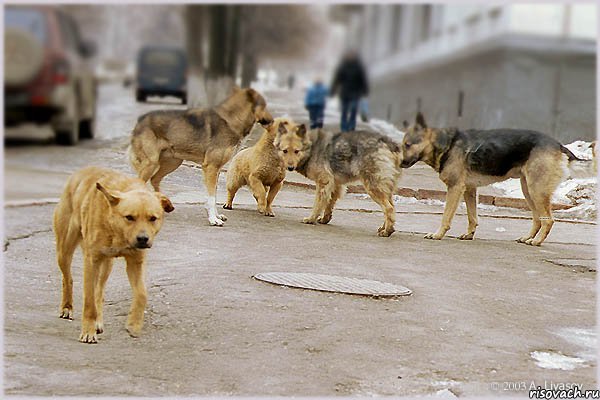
[330, 283]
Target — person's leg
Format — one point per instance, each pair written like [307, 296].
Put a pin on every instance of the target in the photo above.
[344, 124]
[352, 110]
[313, 116]
[320, 116]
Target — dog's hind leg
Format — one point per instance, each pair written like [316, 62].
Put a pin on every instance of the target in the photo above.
[144, 154]
[105, 270]
[234, 183]
[259, 192]
[536, 224]
[211, 176]
[543, 174]
[337, 192]
[383, 197]
[68, 237]
[167, 165]
[470, 197]
[273, 190]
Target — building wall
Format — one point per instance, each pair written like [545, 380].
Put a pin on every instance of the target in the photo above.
[500, 89]
[511, 73]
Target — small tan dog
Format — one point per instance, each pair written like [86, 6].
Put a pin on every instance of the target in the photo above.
[259, 167]
[111, 215]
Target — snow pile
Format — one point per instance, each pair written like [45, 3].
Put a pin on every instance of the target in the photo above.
[581, 149]
[580, 192]
[554, 360]
[385, 128]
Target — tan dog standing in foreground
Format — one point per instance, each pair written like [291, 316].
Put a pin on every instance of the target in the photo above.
[111, 215]
[259, 167]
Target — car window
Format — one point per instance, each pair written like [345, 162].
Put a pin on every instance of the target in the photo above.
[30, 20]
[162, 58]
[66, 30]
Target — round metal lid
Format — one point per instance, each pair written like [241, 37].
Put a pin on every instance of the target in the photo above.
[330, 283]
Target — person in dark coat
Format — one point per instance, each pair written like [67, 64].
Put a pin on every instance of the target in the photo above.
[316, 97]
[350, 82]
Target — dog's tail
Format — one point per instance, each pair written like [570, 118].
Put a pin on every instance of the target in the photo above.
[578, 167]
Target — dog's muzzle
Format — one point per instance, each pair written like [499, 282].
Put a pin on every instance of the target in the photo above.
[264, 121]
[408, 163]
[142, 242]
[290, 168]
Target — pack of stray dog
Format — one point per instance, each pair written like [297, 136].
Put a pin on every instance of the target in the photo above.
[113, 215]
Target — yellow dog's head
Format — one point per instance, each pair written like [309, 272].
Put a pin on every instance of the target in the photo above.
[135, 216]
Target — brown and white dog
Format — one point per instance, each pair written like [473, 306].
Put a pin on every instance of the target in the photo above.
[162, 140]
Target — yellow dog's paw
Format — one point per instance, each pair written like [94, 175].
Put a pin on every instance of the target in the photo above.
[382, 232]
[308, 220]
[228, 206]
[533, 242]
[88, 337]
[434, 236]
[134, 330]
[523, 239]
[324, 219]
[99, 327]
[467, 236]
[66, 313]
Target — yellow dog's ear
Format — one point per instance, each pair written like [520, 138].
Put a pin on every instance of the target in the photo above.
[165, 202]
[282, 129]
[113, 197]
[301, 130]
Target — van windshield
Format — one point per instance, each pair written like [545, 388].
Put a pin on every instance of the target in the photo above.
[161, 58]
[29, 20]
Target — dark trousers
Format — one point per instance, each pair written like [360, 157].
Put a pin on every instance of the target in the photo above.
[316, 115]
[349, 110]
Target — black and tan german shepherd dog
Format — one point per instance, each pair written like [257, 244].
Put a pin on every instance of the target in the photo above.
[468, 159]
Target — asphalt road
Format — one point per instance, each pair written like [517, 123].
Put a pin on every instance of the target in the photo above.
[484, 318]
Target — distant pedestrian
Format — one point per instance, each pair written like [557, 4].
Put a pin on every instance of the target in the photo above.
[350, 80]
[315, 100]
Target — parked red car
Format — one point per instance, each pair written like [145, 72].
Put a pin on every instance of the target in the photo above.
[46, 76]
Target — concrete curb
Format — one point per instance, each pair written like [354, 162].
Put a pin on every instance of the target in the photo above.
[427, 194]
[430, 194]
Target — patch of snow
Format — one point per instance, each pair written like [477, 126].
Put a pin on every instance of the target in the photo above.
[584, 338]
[510, 188]
[385, 128]
[554, 360]
[444, 394]
[581, 149]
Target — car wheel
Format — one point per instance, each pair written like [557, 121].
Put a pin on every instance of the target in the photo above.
[140, 96]
[86, 128]
[67, 132]
[68, 136]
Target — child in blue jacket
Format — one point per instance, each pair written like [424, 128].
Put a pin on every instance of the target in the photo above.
[316, 97]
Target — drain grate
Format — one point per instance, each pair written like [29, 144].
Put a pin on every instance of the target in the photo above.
[330, 283]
